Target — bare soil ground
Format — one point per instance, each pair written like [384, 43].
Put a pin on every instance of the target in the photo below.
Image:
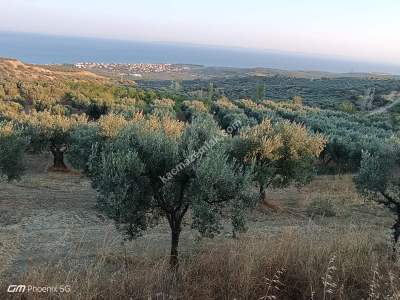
[48, 216]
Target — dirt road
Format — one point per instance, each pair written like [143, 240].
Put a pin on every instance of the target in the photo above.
[384, 109]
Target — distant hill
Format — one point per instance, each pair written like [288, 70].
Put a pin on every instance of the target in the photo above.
[63, 89]
[192, 72]
[13, 69]
[224, 72]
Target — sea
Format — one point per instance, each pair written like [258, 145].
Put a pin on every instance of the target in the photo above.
[51, 49]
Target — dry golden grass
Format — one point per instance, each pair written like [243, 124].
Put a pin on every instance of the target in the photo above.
[11, 68]
[286, 254]
[300, 263]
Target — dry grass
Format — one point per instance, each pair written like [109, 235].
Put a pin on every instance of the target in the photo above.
[11, 68]
[307, 263]
[51, 235]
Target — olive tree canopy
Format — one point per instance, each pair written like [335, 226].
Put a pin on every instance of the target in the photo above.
[159, 167]
[12, 147]
[51, 132]
[379, 179]
[283, 152]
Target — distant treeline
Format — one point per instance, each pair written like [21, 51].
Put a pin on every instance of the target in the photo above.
[324, 92]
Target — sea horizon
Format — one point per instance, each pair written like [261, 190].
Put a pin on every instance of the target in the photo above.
[52, 49]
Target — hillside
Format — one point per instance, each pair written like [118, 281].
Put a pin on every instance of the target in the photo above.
[16, 70]
[59, 88]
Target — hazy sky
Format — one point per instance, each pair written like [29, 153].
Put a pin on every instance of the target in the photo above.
[363, 29]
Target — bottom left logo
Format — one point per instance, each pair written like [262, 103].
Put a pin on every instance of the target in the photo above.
[14, 288]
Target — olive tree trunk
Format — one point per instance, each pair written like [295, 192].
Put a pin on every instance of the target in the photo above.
[174, 258]
[58, 159]
[175, 223]
[396, 231]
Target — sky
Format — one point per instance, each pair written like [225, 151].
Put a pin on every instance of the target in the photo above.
[357, 29]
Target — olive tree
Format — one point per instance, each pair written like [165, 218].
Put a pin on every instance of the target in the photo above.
[193, 108]
[12, 147]
[85, 135]
[158, 168]
[284, 152]
[51, 132]
[163, 107]
[378, 180]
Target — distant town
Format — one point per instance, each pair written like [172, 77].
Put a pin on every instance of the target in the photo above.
[131, 69]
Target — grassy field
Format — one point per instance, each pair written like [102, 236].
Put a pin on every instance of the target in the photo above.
[322, 242]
